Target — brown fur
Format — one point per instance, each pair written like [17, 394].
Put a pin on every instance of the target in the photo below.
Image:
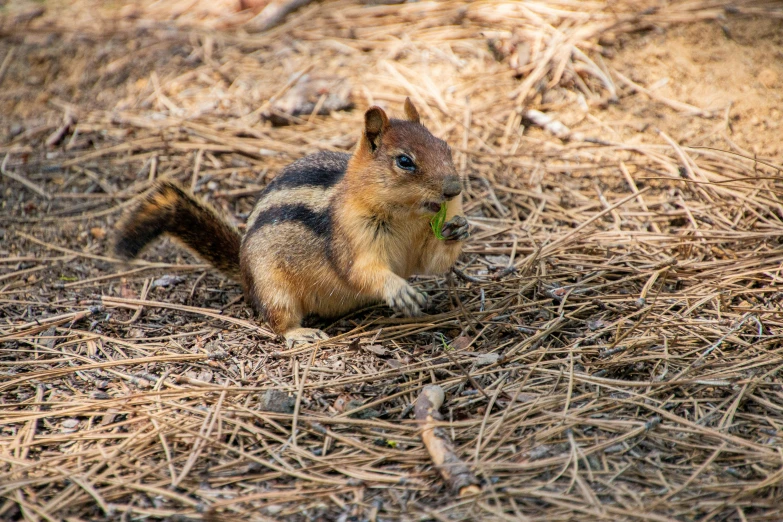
[332, 233]
[168, 209]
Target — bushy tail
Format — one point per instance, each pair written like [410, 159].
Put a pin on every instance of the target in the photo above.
[168, 209]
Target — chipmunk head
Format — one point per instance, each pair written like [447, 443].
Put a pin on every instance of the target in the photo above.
[404, 163]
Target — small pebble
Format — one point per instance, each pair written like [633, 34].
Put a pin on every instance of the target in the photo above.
[98, 232]
[70, 423]
[278, 402]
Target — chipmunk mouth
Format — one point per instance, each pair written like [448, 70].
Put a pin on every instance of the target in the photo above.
[432, 206]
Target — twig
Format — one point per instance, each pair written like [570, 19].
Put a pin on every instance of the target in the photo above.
[455, 472]
[24, 181]
[674, 104]
[273, 14]
[215, 314]
[551, 125]
[6, 62]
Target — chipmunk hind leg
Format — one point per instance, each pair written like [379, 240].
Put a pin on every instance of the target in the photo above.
[275, 299]
[287, 320]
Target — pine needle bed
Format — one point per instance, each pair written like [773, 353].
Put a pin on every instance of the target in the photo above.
[610, 344]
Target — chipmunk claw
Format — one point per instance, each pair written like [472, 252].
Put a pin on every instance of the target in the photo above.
[456, 229]
[304, 336]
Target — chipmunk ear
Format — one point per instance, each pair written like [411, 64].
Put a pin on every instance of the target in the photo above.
[410, 111]
[375, 124]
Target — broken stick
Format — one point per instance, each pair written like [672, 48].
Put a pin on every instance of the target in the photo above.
[455, 472]
[274, 13]
[552, 126]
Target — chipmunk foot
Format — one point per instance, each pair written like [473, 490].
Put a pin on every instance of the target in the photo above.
[304, 336]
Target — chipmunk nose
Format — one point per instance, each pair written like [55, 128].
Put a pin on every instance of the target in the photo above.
[451, 187]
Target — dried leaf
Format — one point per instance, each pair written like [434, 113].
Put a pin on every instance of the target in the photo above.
[167, 280]
[377, 349]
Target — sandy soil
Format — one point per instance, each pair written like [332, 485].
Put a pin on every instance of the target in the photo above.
[734, 67]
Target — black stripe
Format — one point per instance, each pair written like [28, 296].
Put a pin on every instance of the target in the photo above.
[323, 169]
[320, 223]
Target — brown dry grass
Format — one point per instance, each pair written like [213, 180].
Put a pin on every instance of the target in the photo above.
[628, 368]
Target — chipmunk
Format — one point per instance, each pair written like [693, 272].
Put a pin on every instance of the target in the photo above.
[331, 233]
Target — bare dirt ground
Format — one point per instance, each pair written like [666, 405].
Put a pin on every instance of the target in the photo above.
[627, 368]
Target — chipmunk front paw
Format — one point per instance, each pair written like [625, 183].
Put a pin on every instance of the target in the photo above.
[402, 297]
[456, 229]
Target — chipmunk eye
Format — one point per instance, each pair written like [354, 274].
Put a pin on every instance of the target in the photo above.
[405, 162]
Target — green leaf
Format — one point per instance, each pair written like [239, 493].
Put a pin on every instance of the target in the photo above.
[436, 222]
